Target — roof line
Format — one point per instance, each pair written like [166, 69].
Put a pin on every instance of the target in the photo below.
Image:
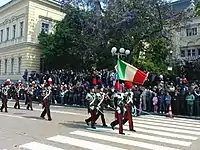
[7, 4]
[55, 2]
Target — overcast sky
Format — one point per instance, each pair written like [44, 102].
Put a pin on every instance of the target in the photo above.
[2, 2]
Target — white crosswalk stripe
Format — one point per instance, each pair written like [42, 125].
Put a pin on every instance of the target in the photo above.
[82, 143]
[147, 137]
[37, 146]
[153, 133]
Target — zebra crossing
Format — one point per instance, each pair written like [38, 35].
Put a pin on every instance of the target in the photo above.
[153, 133]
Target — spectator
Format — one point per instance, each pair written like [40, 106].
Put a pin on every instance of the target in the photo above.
[155, 103]
[161, 99]
[168, 99]
[190, 102]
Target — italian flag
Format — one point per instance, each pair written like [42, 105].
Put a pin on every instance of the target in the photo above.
[130, 73]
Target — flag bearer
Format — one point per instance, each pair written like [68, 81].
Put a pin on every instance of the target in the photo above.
[119, 113]
[128, 112]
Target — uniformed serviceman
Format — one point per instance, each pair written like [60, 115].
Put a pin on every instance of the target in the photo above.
[29, 96]
[91, 98]
[17, 90]
[128, 113]
[100, 96]
[119, 113]
[47, 103]
[4, 97]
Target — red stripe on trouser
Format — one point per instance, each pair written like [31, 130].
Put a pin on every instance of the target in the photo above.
[129, 117]
[46, 109]
[45, 104]
[120, 116]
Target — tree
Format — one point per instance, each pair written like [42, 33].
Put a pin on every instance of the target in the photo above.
[92, 27]
[197, 8]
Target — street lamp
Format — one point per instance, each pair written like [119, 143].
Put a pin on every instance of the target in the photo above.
[121, 52]
[170, 59]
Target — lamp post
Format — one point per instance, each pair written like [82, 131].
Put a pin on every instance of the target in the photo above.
[170, 59]
[120, 52]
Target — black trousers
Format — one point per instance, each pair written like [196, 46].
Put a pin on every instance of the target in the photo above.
[17, 103]
[100, 113]
[46, 111]
[92, 118]
[29, 102]
[4, 104]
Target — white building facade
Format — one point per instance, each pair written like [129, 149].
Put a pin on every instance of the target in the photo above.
[21, 21]
[186, 38]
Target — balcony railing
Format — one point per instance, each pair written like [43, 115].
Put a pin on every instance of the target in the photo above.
[11, 42]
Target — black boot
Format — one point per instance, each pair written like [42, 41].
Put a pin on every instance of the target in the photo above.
[86, 121]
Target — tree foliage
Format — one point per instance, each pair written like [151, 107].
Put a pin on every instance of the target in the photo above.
[92, 27]
[197, 8]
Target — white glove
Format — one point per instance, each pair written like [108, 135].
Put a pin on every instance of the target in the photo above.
[92, 107]
[118, 110]
[98, 107]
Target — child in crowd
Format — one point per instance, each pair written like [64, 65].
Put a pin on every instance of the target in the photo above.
[155, 103]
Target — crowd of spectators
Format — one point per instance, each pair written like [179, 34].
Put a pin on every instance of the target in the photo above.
[156, 95]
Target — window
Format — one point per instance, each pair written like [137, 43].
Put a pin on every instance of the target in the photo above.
[12, 65]
[191, 32]
[19, 64]
[45, 27]
[1, 35]
[198, 51]
[6, 65]
[189, 52]
[182, 53]
[193, 52]
[21, 28]
[7, 33]
[14, 31]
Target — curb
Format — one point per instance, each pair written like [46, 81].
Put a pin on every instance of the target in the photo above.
[178, 116]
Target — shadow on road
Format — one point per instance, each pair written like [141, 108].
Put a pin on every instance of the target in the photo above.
[80, 125]
[33, 117]
[74, 124]
[19, 113]
[17, 109]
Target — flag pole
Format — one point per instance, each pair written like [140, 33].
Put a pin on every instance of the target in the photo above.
[118, 56]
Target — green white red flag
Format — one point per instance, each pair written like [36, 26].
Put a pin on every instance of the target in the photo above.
[127, 72]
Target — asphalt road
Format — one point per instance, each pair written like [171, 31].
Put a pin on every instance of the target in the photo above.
[23, 129]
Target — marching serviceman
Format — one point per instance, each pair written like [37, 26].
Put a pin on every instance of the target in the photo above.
[47, 103]
[100, 98]
[29, 96]
[5, 95]
[17, 96]
[91, 98]
[119, 113]
[128, 112]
